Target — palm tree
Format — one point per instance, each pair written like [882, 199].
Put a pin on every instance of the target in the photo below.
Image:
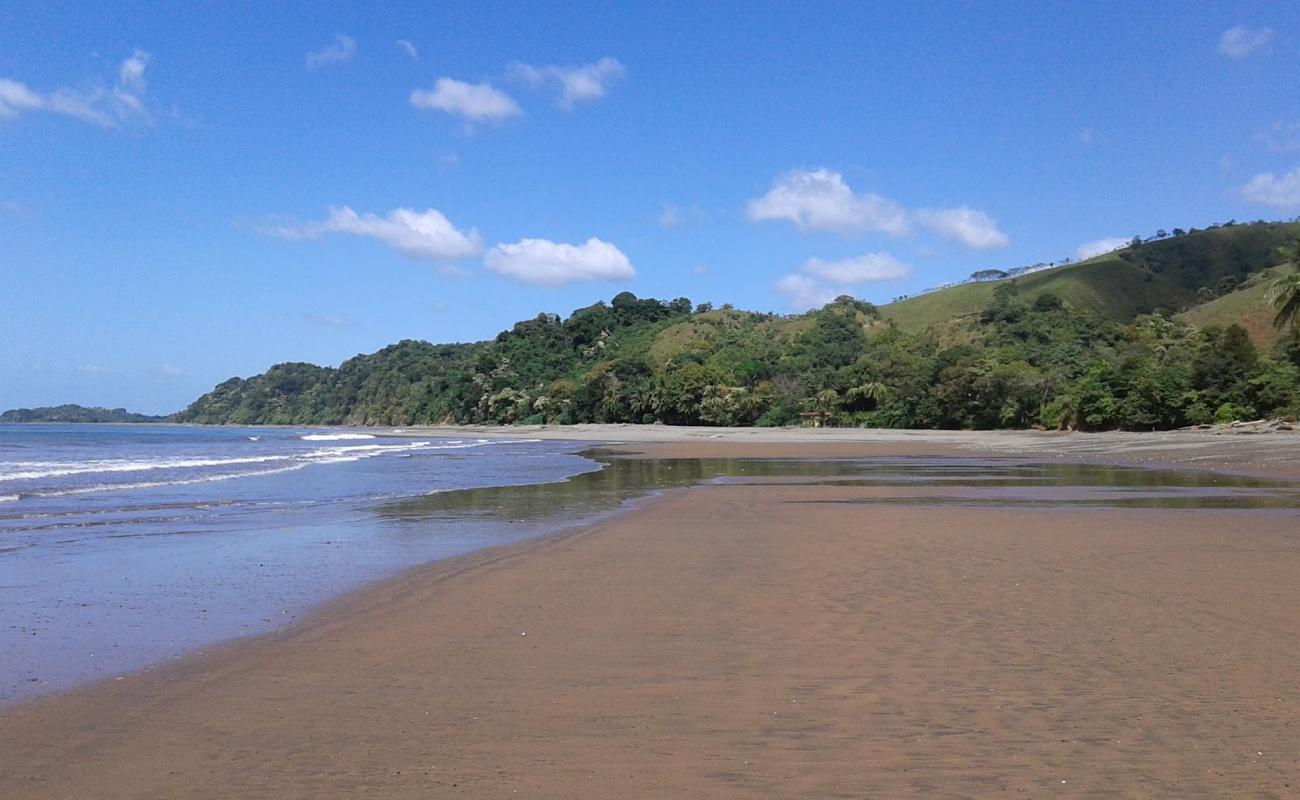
[828, 401]
[870, 392]
[1284, 294]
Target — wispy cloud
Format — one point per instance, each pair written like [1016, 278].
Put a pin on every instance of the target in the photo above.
[1098, 247]
[804, 293]
[818, 282]
[474, 102]
[108, 107]
[971, 228]
[409, 49]
[339, 51]
[1280, 137]
[1240, 42]
[422, 236]
[545, 263]
[581, 84]
[672, 215]
[94, 369]
[821, 200]
[871, 268]
[165, 371]
[336, 321]
[1279, 191]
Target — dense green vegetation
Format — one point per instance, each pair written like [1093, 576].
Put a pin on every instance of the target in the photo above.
[1092, 346]
[75, 413]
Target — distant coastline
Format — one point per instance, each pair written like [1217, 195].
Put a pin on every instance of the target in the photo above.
[77, 414]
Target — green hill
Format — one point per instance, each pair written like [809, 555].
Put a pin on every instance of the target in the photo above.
[1071, 347]
[1165, 275]
[1247, 306]
[75, 413]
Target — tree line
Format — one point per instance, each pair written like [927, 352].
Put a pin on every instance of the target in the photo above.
[1023, 361]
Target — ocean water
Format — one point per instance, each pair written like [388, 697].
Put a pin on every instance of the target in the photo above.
[123, 546]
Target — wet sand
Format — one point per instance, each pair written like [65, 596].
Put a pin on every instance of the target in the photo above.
[743, 641]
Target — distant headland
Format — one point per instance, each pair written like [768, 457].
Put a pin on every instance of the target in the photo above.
[75, 413]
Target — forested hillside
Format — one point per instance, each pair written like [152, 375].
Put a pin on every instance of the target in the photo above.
[1027, 355]
[74, 413]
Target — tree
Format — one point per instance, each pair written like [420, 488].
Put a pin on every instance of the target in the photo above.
[828, 400]
[1284, 294]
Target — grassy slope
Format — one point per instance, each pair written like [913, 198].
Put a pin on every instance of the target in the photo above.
[1248, 306]
[1116, 287]
[1106, 285]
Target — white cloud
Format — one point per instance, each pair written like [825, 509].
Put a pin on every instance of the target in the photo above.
[804, 293]
[1085, 137]
[1280, 137]
[16, 98]
[476, 102]
[409, 49]
[1098, 247]
[339, 51]
[871, 268]
[423, 236]
[545, 263]
[131, 72]
[972, 228]
[820, 200]
[823, 281]
[1271, 190]
[108, 108]
[165, 370]
[1240, 42]
[582, 84]
[93, 369]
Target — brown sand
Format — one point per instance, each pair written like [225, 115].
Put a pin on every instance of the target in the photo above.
[737, 641]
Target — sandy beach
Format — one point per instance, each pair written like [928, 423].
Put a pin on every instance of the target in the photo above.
[779, 640]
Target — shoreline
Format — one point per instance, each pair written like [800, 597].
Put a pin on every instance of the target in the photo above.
[109, 723]
[1221, 450]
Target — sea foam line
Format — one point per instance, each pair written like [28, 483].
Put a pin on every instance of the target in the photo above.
[53, 469]
[48, 469]
[334, 456]
[333, 437]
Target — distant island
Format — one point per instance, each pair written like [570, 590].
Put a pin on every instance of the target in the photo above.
[75, 413]
[1168, 331]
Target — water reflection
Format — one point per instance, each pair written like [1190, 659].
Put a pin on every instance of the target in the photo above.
[914, 480]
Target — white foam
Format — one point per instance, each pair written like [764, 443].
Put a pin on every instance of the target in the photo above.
[9, 498]
[328, 455]
[335, 437]
[31, 470]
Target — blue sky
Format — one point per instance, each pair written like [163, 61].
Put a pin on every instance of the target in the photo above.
[202, 190]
